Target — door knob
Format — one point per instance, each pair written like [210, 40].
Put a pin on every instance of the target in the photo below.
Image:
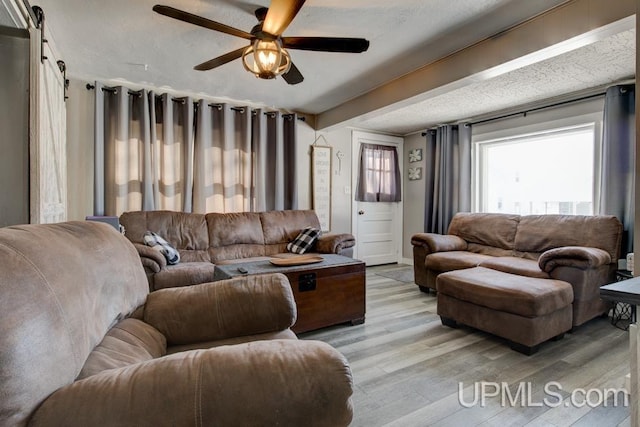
[361, 212]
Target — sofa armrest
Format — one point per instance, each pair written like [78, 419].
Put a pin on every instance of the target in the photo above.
[151, 259]
[279, 382]
[228, 308]
[334, 243]
[439, 242]
[573, 256]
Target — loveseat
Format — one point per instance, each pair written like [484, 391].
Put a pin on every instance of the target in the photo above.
[84, 343]
[526, 278]
[204, 240]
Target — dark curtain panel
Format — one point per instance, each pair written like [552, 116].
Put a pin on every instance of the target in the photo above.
[447, 176]
[378, 174]
[618, 160]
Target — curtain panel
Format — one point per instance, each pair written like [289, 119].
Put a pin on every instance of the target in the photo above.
[156, 152]
[448, 177]
[616, 194]
[378, 174]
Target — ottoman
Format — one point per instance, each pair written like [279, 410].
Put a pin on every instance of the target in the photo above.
[524, 310]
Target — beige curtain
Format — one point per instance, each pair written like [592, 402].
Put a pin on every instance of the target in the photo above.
[222, 159]
[160, 152]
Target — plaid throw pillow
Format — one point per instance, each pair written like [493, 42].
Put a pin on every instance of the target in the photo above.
[156, 242]
[304, 242]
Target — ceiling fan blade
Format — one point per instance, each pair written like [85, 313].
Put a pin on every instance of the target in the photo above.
[220, 60]
[200, 21]
[326, 44]
[280, 15]
[293, 76]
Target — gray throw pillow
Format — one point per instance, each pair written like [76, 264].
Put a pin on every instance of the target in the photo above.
[156, 242]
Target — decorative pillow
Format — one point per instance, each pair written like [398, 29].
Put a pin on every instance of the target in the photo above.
[305, 240]
[156, 242]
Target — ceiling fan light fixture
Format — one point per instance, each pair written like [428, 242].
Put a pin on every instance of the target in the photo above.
[266, 59]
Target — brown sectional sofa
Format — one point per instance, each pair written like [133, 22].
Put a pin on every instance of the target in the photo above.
[84, 343]
[204, 240]
[525, 278]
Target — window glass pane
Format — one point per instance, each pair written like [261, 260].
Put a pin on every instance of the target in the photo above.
[547, 173]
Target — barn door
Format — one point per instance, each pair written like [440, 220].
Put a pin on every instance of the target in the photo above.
[47, 139]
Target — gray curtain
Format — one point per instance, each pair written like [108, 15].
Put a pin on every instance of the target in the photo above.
[616, 192]
[273, 144]
[160, 152]
[378, 174]
[447, 176]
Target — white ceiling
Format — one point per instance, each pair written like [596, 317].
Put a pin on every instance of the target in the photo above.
[125, 40]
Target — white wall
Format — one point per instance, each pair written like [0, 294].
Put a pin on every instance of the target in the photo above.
[413, 221]
[80, 122]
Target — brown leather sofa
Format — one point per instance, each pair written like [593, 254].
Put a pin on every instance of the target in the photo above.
[84, 343]
[204, 240]
[525, 278]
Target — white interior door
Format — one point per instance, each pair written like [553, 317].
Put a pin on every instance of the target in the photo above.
[377, 227]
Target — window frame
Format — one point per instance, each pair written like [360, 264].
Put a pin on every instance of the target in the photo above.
[544, 122]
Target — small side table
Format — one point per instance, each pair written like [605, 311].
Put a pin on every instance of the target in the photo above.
[623, 314]
[628, 291]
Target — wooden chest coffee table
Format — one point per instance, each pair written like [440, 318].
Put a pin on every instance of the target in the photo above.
[326, 293]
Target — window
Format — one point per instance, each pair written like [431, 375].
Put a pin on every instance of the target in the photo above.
[378, 175]
[546, 172]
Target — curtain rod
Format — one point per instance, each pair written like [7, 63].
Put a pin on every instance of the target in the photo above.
[241, 110]
[531, 110]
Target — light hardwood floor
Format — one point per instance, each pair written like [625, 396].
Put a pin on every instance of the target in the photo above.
[407, 368]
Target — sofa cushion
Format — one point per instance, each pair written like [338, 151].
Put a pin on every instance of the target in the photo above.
[48, 327]
[283, 226]
[187, 231]
[235, 235]
[538, 233]
[515, 265]
[453, 260]
[184, 274]
[486, 229]
[304, 241]
[156, 242]
[524, 296]
[130, 341]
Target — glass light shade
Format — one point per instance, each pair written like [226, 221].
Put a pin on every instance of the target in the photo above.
[266, 59]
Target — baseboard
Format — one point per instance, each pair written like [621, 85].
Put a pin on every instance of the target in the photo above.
[407, 261]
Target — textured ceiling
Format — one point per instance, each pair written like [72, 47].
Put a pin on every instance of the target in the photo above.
[601, 63]
[125, 40]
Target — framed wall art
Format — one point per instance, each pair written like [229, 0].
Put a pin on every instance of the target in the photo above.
[415, 155]
[415, 174]
[321, 184]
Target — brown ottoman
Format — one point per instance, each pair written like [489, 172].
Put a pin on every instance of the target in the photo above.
[525, 310]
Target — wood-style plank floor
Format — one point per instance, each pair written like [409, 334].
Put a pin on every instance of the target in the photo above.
[408, 368]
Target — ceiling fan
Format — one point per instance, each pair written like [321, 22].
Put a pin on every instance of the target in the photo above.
[267, 55]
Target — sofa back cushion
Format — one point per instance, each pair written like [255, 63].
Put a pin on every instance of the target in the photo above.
[63, 287]
[281, 227]
[234, 236]
[538, 233]
[187, 232]
[486, 233]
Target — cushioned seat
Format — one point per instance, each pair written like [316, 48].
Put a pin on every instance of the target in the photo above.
[515, 265]
[525, 310]
[525, 296]
[454, 260]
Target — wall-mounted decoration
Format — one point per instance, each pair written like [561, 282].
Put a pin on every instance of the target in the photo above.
[321, 184]
[415, 173]
[415, 155]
